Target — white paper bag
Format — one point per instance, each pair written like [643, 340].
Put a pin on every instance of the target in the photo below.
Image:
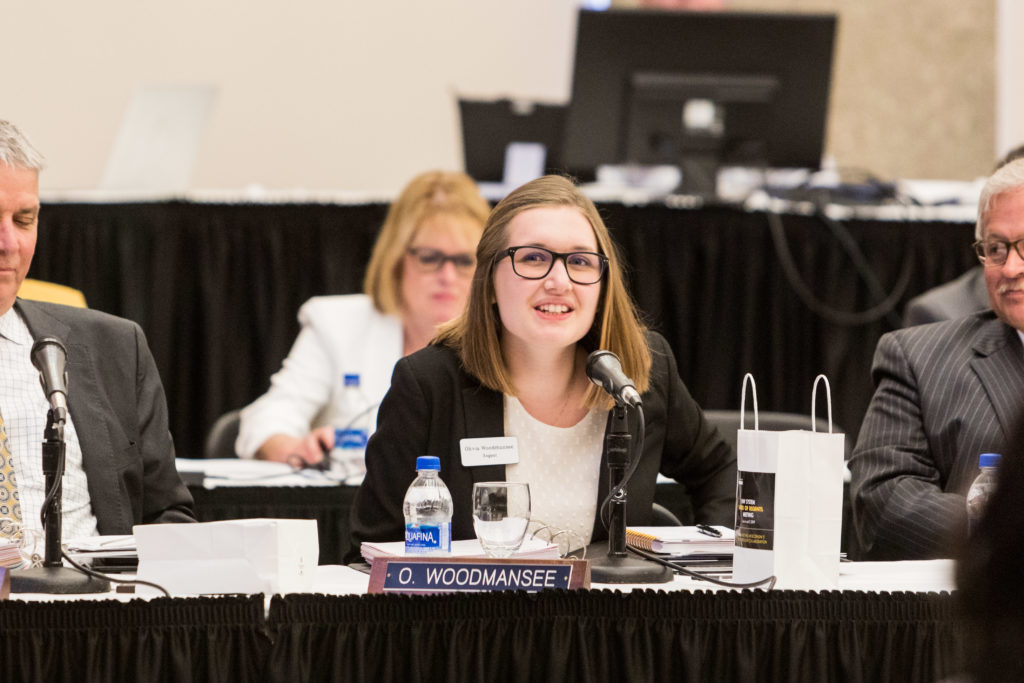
[233, 556]
[789, 502]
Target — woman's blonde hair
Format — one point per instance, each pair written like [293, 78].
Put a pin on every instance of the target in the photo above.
[428, 194]
[476, 334]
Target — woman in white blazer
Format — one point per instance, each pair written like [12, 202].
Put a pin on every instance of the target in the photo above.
[418, 277]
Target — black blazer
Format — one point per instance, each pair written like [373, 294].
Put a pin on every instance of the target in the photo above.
[433, 404]
[117, 402]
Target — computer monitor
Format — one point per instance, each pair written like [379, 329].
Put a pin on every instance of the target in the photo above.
[489, 126]
[698, 90]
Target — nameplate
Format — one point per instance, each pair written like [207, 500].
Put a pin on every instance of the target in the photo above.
[489, 450]
[426, 575]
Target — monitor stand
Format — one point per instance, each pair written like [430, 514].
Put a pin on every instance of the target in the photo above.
[700, 175]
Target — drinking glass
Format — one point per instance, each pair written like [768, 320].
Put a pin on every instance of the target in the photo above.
[501, 512]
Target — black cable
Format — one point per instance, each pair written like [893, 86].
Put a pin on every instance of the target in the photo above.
[108, 577]
[43, 513]
[697, 575]
[52, 493]
[819, 197]
[849, 318]
[368, 409]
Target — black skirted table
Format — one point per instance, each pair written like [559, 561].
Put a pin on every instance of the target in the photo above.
[583, 636]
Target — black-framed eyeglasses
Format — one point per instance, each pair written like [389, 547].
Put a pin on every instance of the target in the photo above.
[534, 263]
[993, 252]
[431, 260]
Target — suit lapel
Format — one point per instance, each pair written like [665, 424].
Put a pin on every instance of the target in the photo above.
[999, 366]
[89, 416]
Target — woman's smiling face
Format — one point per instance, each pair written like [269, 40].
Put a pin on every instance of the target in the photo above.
[553, 311]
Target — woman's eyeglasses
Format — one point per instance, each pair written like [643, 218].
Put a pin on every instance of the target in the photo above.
[433, 260]
[534, 263]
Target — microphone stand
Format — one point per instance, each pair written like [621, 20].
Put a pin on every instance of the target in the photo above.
[618, 566]
[53, 576]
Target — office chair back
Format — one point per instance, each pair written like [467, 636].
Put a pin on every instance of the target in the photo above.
[662, 516]
[220, 441]
[728, 422]
[51, 292]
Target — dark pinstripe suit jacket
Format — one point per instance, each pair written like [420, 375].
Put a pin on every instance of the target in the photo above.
[117, 402]
[944, 393]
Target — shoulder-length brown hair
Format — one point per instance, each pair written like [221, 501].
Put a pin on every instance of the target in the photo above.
[426, 195]
[476, 334]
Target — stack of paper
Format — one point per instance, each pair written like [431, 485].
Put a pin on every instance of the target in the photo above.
[533, 548]
[92, 547]
[682, 540]
[229, 556]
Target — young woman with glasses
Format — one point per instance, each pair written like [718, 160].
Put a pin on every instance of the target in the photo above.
[511, 370]
[418, 277]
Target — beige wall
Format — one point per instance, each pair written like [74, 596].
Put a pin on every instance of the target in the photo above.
[1010, 107]
[340, 94]
[316, 94]
[914, 91]
[914, 84]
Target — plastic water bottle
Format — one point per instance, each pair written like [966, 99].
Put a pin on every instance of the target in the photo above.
[428, 510]
[348, 457]
[981, 489]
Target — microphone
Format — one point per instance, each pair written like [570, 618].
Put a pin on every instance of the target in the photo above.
[49, 357]
[605, 370]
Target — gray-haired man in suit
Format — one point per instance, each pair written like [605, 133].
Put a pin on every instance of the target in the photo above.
[120, 459]
[944, 393]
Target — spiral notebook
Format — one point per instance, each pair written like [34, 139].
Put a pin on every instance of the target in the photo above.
[681, 540]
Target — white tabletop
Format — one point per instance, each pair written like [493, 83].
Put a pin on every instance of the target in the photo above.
[915, 576]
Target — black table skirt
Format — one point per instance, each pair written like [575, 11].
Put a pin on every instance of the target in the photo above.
[198, 639]
[556, 636]
[606, 636]
[216, 287]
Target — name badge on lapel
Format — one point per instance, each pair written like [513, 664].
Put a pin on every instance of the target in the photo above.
[491, 450]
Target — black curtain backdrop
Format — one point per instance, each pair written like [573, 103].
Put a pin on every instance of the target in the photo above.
[217, 287]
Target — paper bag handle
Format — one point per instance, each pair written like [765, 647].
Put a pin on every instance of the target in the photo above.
[743, 400]
[814, 403]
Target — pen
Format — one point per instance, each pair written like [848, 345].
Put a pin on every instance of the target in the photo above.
[709, 530]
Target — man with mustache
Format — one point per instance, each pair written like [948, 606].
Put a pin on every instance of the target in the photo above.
[944, 393]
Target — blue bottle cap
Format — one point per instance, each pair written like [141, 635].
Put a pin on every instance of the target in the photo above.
[351, 379]
[988, 460]
[428, 462]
